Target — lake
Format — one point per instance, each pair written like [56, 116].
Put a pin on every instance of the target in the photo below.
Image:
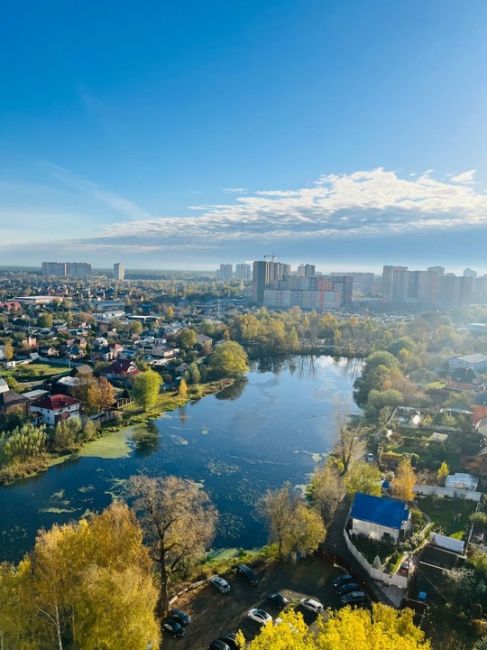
[253, 436]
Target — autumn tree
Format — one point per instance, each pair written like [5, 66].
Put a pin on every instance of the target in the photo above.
[107, 393]
[363, 477]
[361, 629]
[145, 388]
[86, 585]
[8, 350]
[404, 481]
[292, 526]
[183, 388]
[326, 490]
[179, 522]
[187, 338]
[350, 443]
[442, 472]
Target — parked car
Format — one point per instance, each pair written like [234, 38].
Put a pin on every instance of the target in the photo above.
[353, 598]
[247, 573]
[230, 638]
[181, 617]
[347, 588]
[370, 458]
[218, 644]
[312, 604]
[342, 580]
[259, 616]
[219, 583]
[173, 627]
[278, 600]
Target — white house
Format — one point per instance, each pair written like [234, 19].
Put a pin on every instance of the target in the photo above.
[53, 408]
[379, 517]
[459, 481]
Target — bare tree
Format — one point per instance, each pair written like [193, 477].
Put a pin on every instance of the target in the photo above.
[326, 490]
[179, 523]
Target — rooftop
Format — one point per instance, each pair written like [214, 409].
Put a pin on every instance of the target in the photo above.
[383, 511]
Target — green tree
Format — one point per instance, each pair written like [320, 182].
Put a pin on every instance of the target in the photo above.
[145, 388]
[187, 338]
[45, 320]
[228, 360]
[363, 477]
[194, 373]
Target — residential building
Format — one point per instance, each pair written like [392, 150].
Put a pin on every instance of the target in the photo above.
[264, 273]
[476, 362]
[379, 517]
[119, 271]
[55, 408]
[469, 273]
[460, 481]
[225, 273]
[243, 272]
[306, 271]
[395, 284]
[79, 270]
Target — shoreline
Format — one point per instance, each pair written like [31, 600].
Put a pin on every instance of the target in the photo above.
[133, 416]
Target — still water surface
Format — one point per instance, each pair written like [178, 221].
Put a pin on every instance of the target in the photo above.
[255, 435]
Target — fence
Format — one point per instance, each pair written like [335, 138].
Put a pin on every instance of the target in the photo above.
[454, 493]
[375, 574]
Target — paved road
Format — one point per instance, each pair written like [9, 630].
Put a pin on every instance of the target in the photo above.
[214, 613]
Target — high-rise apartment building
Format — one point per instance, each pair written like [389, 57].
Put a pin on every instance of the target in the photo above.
[469, 273]
[306, 271]
[265, 273]
[119, 271]
[80, 270]
[243, 272]
[226, 272]
[395, 284]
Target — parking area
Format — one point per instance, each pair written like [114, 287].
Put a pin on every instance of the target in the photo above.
[215, 614]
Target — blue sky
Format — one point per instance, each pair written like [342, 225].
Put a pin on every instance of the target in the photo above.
[182, 134]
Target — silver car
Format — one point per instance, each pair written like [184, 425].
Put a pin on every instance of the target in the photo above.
[219, 583]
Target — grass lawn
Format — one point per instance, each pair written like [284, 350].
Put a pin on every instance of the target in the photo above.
[33, 371]
[449, 515]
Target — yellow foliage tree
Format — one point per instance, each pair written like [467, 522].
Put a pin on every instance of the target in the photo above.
[442, 472]
[382, 629]
[86, 585]
[405, 481]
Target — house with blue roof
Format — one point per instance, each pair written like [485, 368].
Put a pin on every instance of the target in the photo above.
[379, 517]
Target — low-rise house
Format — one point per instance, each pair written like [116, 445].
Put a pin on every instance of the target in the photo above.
[54, 408]
[379, 517]
[121, 369]
[460, 481]
[10, 401]
[463, 379]
[476, 361]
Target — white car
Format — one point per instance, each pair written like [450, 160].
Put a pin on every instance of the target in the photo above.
[219, 583]
[312, 604]
[260, 616]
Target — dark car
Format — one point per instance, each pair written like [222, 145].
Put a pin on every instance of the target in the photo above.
[342, 580]
[278, 600]
[353, 598]
[218, 644]
[230, 638]
[247, 573]
[347, 588]
[180, 617]
[173, 627]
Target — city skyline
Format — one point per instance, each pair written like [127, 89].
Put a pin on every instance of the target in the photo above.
[206, 138]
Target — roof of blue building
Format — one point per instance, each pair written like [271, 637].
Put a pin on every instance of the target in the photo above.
[379, 510]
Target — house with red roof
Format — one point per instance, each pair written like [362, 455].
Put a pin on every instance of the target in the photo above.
[54, 408]
[121, 369]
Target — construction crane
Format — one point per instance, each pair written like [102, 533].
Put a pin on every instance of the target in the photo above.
[271, 257]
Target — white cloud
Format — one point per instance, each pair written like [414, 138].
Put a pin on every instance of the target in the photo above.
[373, 202]
[467, 177]
[234, 190]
